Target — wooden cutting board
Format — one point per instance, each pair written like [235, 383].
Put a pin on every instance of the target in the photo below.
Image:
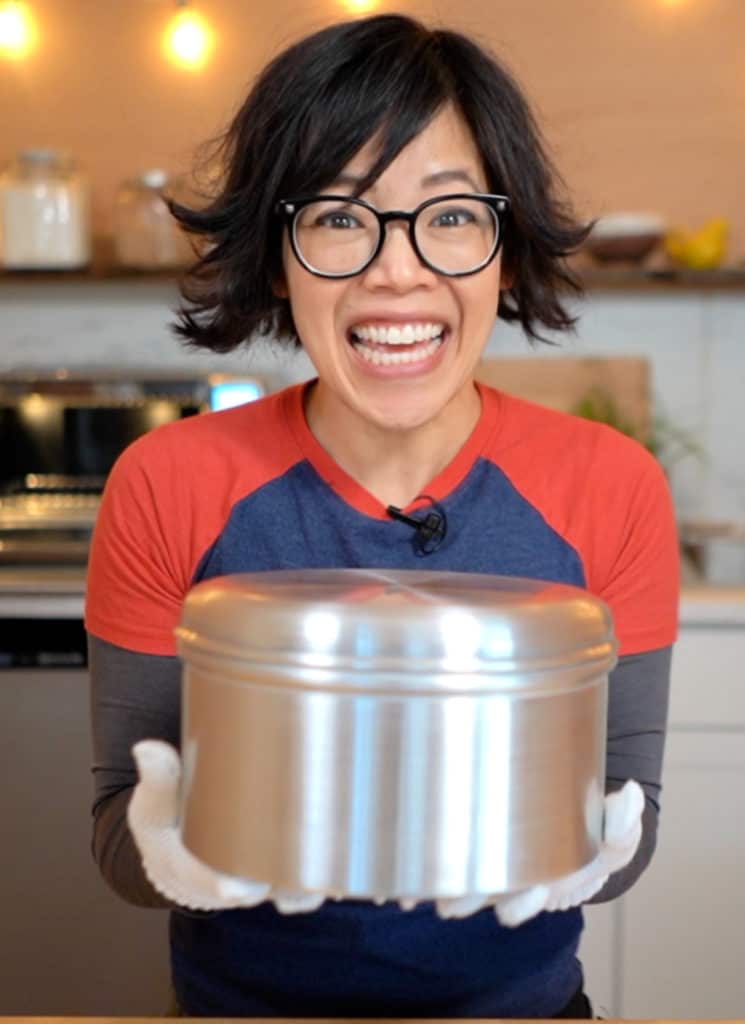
[562, 382]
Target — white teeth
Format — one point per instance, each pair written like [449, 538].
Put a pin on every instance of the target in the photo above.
[404, 334]
[378, 358]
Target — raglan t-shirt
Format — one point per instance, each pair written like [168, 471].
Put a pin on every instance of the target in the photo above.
[532, 493]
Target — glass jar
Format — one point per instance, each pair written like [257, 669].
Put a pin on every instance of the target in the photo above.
[44, 213]
[146, 235]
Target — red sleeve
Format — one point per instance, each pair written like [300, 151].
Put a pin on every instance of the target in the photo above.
[635, 566]
[137, 575]
[608, 497]
[166, 502]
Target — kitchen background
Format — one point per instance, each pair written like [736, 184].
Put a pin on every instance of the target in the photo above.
[643, 107]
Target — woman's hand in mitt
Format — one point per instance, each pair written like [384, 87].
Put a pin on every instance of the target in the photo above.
[622, 830]
[153, 814]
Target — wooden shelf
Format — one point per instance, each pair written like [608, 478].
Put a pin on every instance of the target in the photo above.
[104, 267]
[620, 278]
[660, 278]
[95, 274]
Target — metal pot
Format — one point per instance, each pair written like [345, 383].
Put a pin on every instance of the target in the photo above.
[393, 734]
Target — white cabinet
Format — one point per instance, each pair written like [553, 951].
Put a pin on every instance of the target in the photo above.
[674, 946]
[683, 950]
[708, 682]
[599, 955]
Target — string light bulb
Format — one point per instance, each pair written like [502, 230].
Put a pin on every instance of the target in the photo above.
[361, 6]
[188, 40]
[17, 30]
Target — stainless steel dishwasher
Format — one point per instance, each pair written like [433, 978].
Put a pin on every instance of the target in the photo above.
[69, 944]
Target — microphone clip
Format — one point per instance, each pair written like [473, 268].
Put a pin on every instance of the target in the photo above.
[430, 530]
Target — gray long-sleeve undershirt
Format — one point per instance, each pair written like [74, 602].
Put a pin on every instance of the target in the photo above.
[138, 696]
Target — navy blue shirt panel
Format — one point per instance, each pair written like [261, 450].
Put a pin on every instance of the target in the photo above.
[353, 958]
[297, 521]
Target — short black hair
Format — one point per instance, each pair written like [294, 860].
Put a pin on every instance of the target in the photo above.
[310, 110]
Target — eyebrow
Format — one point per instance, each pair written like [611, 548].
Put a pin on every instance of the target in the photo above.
[437, 178]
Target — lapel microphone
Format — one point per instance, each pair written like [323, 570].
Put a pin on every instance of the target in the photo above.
[430, 530]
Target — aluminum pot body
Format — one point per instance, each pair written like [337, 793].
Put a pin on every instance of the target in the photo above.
[389, 775]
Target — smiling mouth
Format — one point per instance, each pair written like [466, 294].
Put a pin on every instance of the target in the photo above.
[398, 344]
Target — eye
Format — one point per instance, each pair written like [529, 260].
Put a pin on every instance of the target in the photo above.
[453, 217]
[337, 219]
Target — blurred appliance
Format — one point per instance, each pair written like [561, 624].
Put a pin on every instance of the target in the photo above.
[60, 438]
[229, 391]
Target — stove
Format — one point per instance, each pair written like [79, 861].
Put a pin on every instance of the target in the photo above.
[60, 437]
[61, 433]
[48, 517]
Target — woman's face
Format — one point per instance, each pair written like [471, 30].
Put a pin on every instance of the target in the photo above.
[338, 319]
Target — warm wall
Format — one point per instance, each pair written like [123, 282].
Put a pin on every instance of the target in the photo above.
[642, 101]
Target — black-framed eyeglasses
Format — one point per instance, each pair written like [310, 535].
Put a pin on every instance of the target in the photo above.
[340, 236]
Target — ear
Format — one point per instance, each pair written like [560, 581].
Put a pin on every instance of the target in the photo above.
[506, 279]
[279, 287]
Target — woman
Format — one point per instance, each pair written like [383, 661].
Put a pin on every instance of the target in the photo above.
[386, 196]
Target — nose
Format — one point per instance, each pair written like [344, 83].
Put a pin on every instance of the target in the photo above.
[397, 266]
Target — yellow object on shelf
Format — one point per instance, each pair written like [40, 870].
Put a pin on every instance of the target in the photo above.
[703, 249]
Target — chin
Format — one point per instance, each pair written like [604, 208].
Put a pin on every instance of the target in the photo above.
[401, 421]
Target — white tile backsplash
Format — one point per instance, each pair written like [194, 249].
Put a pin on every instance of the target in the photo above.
[673, 332]
[118, 325]
[725, 493]
[695, 342]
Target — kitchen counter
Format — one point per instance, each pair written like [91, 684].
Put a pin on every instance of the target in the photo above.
[708, 604]
[42, 592]
[300, 1020]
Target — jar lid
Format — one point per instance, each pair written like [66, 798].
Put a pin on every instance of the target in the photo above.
[416, 624]
[154, 177]
[45, 161]
[43, 156]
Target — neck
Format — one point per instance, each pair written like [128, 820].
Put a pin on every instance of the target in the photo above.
[393, 465]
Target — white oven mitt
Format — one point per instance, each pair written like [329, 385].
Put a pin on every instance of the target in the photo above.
[153, 814]
[622, 830]
[177, 874]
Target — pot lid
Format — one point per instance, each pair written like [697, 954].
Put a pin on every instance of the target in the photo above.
[405, 621]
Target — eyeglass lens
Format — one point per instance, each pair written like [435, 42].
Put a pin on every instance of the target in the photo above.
[453, 235]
